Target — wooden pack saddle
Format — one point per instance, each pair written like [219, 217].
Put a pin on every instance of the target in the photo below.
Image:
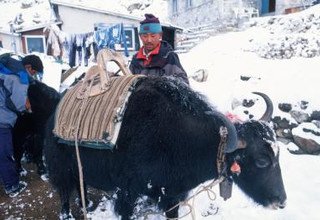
[91, 112]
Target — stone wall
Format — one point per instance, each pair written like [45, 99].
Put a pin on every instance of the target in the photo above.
[194, 16]
[281, 5]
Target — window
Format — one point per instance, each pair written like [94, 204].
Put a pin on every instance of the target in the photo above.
[174, 6]
[130, 38]
[189, 4]
[196, 3]
[35, 43]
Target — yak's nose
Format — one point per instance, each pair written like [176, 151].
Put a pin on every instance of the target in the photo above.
[278, 205]
[282, 205]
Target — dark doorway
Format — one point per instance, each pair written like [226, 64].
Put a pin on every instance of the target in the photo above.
[168, 35]
[267, 6]
[272, 5]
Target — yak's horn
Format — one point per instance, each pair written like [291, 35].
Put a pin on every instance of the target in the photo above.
[269, 110]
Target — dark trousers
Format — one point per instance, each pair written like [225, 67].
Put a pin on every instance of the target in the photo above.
[72, 55]
[8, 172]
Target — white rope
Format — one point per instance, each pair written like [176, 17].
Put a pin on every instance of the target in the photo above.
[207, 189]
[83, 201]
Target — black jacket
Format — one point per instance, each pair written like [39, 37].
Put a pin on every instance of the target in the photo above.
[165, 63]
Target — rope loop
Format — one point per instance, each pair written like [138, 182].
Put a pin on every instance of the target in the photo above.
[76, 133]
[207, 189]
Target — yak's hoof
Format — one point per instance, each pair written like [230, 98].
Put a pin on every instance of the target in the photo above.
[41, 169]
[89, 204]
[22, 171]
[66, 216]
[45, 177]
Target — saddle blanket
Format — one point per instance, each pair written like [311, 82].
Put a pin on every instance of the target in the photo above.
[96, 119]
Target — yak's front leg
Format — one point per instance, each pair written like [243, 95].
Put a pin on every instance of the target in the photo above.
[170, 205]
[65, 212]
[171, 209]
[124, 204]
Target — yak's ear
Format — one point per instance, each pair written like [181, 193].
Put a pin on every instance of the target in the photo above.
[241, 144]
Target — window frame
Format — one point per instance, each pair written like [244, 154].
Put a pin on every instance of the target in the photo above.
[174, 6]
[189, 4]
[133, 38]
[26, 37]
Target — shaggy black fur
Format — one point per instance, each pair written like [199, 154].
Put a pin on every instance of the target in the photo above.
[167, 146]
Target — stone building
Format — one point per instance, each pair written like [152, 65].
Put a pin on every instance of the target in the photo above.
[191, 13]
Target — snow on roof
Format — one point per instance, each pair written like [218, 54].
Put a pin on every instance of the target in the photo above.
[129, 8]
[24, 14]
[32, 14]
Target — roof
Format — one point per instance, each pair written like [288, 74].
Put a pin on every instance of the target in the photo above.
[25, 15]
[39, 26]
[119, 9]
[94, 6]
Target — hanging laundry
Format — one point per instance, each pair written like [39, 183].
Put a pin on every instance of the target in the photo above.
[77, 49]
[55, 40]
[108, 36]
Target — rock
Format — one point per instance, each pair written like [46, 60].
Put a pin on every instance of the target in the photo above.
[307, 145]
[285, 107]
[304, 104]
[315, 115]
[283, 123]
[299, 116]
[307, 137]
[248, 103]
[284, 140]
[316, 133]
[284, 133]
[26, 4]
[317, 123]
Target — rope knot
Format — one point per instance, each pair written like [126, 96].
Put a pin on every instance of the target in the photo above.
[223, 132]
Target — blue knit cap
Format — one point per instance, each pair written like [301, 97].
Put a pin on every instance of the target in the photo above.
[150, 24]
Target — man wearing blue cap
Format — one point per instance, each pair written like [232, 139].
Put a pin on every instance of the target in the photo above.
[156, 57]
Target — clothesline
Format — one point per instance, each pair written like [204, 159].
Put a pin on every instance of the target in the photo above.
[78, 48]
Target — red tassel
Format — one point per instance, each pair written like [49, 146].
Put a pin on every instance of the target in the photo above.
[235, 168]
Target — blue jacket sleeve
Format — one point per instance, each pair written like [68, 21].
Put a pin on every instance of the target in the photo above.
[18, 92]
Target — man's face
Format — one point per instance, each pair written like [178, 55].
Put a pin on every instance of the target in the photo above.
[30, 70]
[150, 41]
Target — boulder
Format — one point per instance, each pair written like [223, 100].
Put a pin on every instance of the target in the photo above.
[285, 107]
[315, 115]
[283, 123]
[307, 145]
[307, 137]
[299, 116]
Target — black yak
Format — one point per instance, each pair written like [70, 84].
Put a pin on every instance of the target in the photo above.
[167, 145]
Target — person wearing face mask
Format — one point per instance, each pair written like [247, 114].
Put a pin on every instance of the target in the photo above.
[156, 57]
[34, 66]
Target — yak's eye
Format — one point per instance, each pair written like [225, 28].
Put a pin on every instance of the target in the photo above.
[262, 162]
